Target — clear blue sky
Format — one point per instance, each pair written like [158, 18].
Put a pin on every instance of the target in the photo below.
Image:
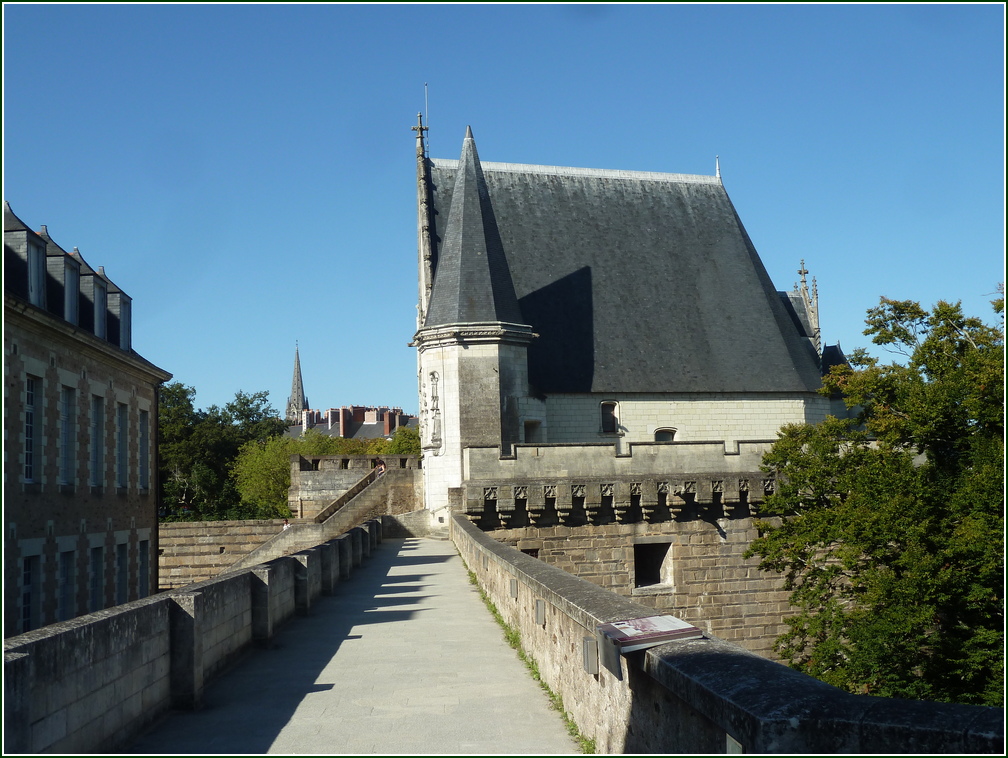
[246, 172]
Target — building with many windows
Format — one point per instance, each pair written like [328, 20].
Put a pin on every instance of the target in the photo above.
[80, 429]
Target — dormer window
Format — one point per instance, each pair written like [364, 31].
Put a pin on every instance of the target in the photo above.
[36, 275]
[610, 417]
[665, 434]
[71, 290]
[124, 322]
[100, 308]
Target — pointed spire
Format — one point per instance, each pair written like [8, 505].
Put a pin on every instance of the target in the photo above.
[298, 401]
[811, 302]
[424, 204]
[472, 283]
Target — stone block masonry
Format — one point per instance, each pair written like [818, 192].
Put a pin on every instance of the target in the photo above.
[699, 574]
[93, 683]
[701, 696]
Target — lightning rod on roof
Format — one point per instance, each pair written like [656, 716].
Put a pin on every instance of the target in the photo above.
[426, 115]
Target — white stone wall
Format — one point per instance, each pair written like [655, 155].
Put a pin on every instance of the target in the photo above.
[731, 417]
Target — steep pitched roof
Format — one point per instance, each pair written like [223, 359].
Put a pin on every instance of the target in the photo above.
[634, 281]
[11, 222]
[473, 283]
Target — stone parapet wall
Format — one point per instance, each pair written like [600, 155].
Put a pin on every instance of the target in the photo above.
[316, 481]
[398, 491]
[94, 683]
[193, 551]
[604, 459]
[700, 696]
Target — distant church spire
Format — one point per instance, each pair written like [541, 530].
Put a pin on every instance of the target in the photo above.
[811, 301]
[298, 400]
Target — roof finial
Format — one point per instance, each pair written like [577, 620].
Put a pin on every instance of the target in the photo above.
[468, 132]
[419, 128]
[717, 166]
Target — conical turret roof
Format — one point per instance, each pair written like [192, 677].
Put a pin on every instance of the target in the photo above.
[472, 282]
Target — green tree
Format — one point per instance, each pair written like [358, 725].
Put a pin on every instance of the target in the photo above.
[198, 447]
[405, 441]
[262, 468]
[890, 528]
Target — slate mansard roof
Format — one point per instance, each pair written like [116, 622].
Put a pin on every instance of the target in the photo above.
[635, 282]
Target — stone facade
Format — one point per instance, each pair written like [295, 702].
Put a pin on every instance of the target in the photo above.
[691, 568]
[80, 430]
[602, 364]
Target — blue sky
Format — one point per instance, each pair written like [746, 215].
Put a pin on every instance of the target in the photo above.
[246, 172]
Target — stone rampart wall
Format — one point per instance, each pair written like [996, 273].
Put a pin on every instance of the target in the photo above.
[395, 492]
[94, 683]
[703, 578]
[193, 551]
[703, 696]
[318, 480]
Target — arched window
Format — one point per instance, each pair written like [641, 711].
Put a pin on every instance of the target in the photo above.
[665, 434]
[610, 418]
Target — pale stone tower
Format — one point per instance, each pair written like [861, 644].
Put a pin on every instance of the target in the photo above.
[472, 342]
[298, 401]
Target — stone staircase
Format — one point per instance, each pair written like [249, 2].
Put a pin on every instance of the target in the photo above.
[193, 551]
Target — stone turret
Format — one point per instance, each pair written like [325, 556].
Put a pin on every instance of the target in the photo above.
[473, 342]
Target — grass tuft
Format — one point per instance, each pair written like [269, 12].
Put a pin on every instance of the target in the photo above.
[513, 638]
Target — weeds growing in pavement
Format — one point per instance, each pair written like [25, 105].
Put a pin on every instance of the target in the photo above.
[513, 638]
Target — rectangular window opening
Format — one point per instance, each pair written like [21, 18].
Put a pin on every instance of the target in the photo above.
[97, 440]
[144, 454]
[122, 445]
[67, 585]
[29, 428]
[122, 573]
[68, 436]
[97, 595]
[143, 583]
[652, 563]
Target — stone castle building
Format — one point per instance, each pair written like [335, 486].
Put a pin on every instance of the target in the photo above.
[80, 435]
[603, 361]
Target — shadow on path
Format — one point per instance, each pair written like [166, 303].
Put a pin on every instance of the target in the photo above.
[246, 707]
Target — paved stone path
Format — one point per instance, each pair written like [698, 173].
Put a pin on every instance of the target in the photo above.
[404, 658]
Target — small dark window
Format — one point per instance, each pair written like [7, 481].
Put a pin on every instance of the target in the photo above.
[648, 560]
[609, 419]
[664, 435]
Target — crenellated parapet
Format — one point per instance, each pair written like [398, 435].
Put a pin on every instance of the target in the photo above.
[592, 501]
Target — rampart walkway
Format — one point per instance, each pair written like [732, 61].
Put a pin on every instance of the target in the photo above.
[402, 658]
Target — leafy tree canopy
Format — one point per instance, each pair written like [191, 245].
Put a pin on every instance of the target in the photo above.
[198, 447]
[890, 528]
[262, 468]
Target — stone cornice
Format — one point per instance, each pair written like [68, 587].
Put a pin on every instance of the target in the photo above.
[473, 333]
[49, 327]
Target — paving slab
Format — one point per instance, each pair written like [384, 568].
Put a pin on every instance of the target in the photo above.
[403, 659]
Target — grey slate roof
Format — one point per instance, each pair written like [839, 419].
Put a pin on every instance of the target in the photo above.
[11, 222]
[473, 284]
[635, 282]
